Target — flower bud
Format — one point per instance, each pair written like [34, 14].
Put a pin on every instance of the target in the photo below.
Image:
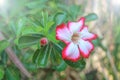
[43, 41]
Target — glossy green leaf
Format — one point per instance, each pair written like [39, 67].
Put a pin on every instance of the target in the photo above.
[55, 57]
[43, 56]
[1, 73]
[51, 37]
[30, 66]
[31, 30]
[3, 45]
[44, 19]
[57, 61]
[62, 66]
[20, 25]
[91, 17]
[60, 17]
[79, 64]
[12, 74]
[4, 57]
[28, 40]
[97, 42]
[48, 26]
[34, 58]
[58, 47]
[74, 11]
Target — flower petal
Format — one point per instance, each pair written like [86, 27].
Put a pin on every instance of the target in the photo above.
[62, 33]
[85, 48]
[76, 26]
[84, 34]
[71, 52]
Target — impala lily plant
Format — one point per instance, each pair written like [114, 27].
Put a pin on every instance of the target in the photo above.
[77, 39]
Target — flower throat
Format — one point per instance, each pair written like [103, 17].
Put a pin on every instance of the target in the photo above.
[75, 37]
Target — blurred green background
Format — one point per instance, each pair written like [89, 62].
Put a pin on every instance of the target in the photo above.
[19, 18]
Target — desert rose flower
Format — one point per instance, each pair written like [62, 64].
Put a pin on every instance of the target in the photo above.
[77, 39]
[43, 41]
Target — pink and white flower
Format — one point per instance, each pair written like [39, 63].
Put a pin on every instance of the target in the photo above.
[77, 39]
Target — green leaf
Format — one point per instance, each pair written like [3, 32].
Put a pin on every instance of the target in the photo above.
[28, 40]
[4, 57]
[31, 30]
[13, 27]
[79, 64]
[91, 17]
[12, 74]
[20, 26]
[62, 66]
[74, 11]
[55, 57]
[30, 66]
[51, 37]
[58, 47]
[60, 17]
[3, 45]
[1, 73]
[34, 58]
[97, 42]
[57, 61]
[36, 4]
[48, 26]
[44, 18]
[43, 56]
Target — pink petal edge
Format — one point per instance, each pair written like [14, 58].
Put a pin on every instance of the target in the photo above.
[92, 38]
[57, 28]
[61, 26]
[67, 58]
[86, 55]
[81, 19]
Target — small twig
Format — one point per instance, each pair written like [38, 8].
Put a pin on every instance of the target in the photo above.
[15, 59]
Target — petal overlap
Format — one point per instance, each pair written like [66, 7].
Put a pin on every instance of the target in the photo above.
[85, 48]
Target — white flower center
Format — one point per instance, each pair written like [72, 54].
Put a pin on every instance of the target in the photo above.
[75, 37]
